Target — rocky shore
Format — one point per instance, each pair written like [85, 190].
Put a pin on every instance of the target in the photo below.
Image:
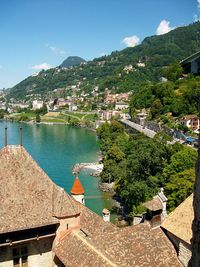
[107, 187]
[96, 166]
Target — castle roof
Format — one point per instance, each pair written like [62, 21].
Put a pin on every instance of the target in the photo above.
[99, 243]
[29, 198]
[179, 221]
[77, 188]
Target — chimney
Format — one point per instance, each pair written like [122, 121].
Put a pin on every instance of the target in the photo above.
[106, 215]
[5, 137]
[20, 136]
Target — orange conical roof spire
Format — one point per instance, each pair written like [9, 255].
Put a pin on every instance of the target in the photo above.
[77, 188]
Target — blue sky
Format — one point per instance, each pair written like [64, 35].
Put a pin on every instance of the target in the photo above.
[37, 34]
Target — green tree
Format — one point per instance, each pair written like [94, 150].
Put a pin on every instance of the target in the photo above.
[180, 161]
[179, 187]
[37, 118]
[173, 71]
[156, 108]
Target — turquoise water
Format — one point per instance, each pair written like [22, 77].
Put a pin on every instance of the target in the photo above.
[56, 148]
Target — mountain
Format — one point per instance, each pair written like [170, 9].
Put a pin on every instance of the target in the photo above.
[121, 71]
[72, 61]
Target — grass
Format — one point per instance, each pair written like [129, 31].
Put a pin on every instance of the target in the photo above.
[78, 115]
[62, 117]
[52, 120]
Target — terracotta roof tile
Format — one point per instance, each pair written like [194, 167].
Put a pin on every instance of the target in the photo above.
[179, 221]
[105, 244]
[29, 198]
[154, 204]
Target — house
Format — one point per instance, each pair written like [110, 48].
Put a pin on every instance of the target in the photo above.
[72, 107]
[109, 114]
[191, 121]
[121, 105]
[141, 64]
[178, 228]
[41, 225]
[63, 102]
[113, 98]
[37, 104]
[128, 69]
[191, 64]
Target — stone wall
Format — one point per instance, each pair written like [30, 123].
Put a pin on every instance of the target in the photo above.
[185, 253]
[183, 249]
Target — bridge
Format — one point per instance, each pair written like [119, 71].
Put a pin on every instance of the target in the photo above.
[139, 128]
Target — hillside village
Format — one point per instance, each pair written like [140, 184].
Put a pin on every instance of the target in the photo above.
[72, 105]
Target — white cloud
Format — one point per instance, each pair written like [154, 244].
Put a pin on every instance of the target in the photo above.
[42, 66]
[198, 3]
[196, 18]
[131, 41]
[55, 50]
[164, 27]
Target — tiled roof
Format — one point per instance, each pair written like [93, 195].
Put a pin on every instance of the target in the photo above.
[28, 196]
[189, 117]
[77, 188]
[179, 221]
[100, 243]
[154, 204]
[80, 252]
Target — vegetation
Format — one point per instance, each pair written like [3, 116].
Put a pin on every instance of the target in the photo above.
[72, 61]
[178, 97]
[109, 72]
[37, 118]
[2, 113]
[139, 166]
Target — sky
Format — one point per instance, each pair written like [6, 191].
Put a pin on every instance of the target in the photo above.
[40, 34]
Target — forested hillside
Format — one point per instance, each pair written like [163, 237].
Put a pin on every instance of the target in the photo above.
[122, 71]
[72, 61]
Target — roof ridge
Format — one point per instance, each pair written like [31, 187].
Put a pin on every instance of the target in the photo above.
[89, 244]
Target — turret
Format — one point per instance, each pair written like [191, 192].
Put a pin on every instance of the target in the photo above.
[77, 191]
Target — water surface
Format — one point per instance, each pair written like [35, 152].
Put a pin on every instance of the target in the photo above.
[56, 148]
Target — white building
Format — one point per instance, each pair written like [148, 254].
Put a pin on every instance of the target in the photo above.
[37, 104]
[141, 65]
[72, 107]
[191, 121]
[121, 105]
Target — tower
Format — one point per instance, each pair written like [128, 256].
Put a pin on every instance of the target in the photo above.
[77, 191]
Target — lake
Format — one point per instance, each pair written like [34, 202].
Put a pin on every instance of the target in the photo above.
[56, 148]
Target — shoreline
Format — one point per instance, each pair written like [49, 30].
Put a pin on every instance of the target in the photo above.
[48, 123]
